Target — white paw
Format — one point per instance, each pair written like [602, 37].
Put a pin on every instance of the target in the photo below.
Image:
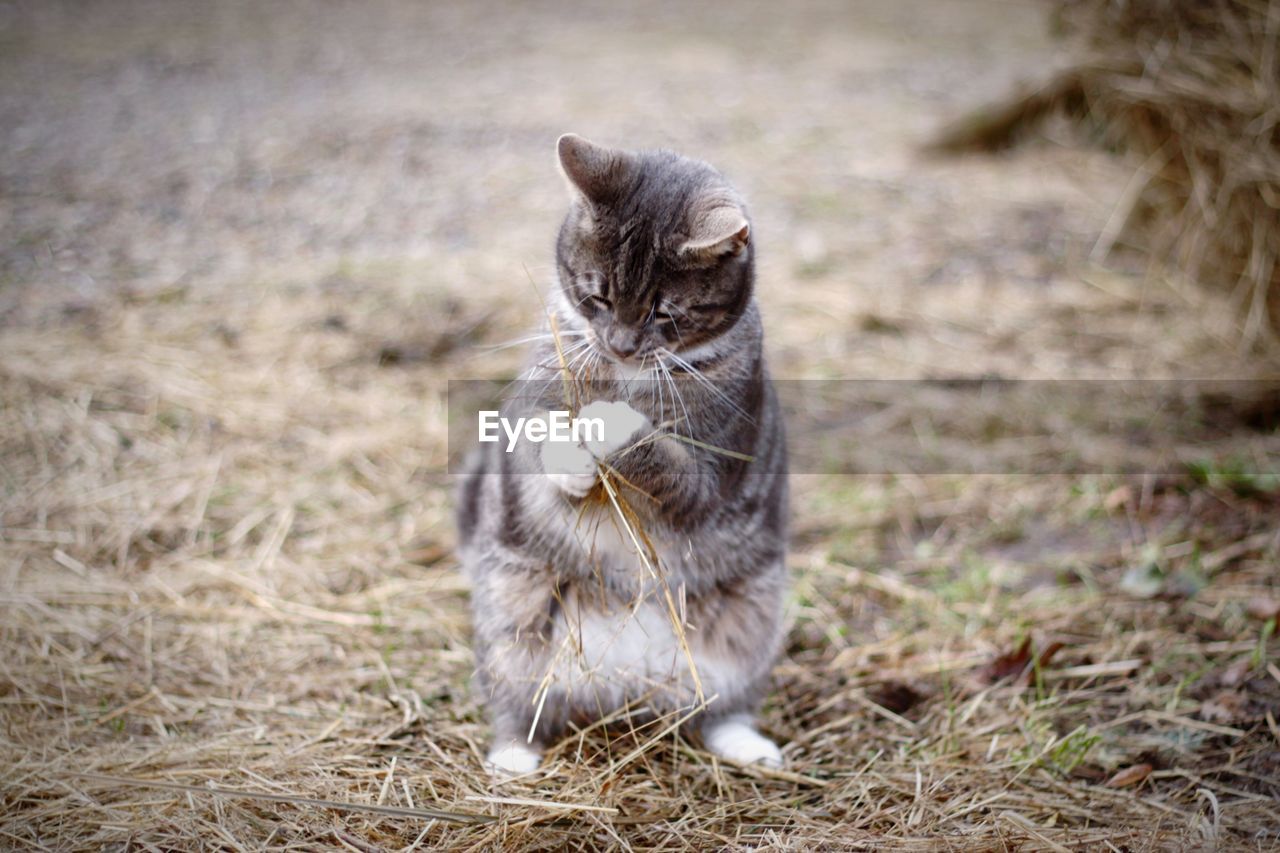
[737, 740]
[511, 759]
[570, 468]
[620, 421]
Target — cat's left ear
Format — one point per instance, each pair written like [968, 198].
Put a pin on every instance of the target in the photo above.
[719, 231]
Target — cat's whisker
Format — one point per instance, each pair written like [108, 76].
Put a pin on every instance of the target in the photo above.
[675, 388]
[657, 389]
[693, 372]
[545, 336]
[575, 348]
[559, 363]
[584, 354]
[711, 386]
[664, 384]
[659, 382]
[589, 364]
[676, 326]
[679, 337]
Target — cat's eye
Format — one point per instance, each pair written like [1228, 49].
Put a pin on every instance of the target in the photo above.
[664, 311]
[600, 302]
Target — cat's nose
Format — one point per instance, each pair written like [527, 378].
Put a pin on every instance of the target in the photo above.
[623, 344]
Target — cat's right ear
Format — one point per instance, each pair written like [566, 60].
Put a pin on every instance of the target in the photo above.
[593, 171]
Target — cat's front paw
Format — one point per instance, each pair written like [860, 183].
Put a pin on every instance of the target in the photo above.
[511, 759]
[569, 467]
[620, 424]
[735, 739]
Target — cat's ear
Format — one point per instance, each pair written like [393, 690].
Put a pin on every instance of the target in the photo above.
[719, 231]
[592, 170]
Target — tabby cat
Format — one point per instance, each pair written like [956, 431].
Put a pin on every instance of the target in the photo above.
[639, 574]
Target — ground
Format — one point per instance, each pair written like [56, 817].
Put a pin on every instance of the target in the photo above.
[243, 247]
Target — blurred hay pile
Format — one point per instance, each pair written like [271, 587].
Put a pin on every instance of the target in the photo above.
[1192, 87]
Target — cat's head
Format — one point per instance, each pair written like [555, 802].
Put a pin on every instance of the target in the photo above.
[655, 251]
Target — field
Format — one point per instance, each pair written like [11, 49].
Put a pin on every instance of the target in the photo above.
[244, 247]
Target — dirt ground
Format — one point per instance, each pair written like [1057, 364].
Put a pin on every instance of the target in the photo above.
[244, 246]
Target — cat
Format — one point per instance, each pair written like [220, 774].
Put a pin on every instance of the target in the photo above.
[659, 592]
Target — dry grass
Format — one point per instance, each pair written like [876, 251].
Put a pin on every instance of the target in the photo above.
[225, 560]
[1189, 88]
[220, 573]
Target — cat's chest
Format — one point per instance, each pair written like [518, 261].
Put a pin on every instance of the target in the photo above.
[630, 548]
[636, 642]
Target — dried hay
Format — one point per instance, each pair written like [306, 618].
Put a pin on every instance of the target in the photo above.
[225, 544]
[1190, 88]
[236, 579]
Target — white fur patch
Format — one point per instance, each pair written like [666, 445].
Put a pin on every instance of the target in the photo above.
[737, 740]
[629, 646]
[511, 759]
[608, 659]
